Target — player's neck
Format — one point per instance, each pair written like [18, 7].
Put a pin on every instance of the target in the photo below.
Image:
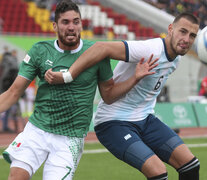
[66, 47]
[171, 53]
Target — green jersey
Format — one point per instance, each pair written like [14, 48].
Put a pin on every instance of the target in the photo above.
[64, 109]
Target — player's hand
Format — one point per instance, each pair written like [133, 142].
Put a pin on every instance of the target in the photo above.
[144, 68]
[54, 77]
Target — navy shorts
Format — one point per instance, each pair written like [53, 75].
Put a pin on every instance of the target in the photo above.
[135, 142]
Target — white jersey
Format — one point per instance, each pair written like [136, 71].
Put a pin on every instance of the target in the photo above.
[139, 102]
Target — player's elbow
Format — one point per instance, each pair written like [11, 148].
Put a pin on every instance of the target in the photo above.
[108, 100]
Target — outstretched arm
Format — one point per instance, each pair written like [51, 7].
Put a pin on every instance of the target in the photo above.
[94, 54]
[11, 96]
[110, 91]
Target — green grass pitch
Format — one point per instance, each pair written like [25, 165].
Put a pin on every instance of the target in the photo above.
[102, 166]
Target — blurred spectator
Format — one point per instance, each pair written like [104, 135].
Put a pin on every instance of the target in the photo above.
[44, 3]
[52, 12]
[175, 7]
[79, 1]
[27, 101]
[164, 95]
[203, 89]
[5, 51]
[9, 70]
[202, 14]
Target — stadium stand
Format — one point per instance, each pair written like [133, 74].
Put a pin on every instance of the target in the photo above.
[197, 7]
[33, 17]
[15, 20]
[29, 17]
[106, 22]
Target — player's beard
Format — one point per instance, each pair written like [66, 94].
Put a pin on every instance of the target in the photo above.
[174, 44]
[69, 43]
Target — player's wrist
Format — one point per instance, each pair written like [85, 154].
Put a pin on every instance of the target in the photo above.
[67, 77]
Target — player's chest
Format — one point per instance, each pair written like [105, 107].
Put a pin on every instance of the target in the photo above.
[62, 62]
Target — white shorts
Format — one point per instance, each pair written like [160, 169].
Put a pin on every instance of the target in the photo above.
[30, 93]
[34, 146]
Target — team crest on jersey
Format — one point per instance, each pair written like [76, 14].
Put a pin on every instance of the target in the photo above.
[48, 62]
[27, 58]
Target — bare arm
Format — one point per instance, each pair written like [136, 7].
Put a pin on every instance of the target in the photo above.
[110, 91]
[11, 96]
[94, 54]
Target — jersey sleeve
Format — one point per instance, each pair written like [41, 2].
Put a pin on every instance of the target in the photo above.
[105, 72]
[136, 50]
[29, 65]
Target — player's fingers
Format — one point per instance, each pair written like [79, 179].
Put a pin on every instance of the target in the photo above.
[150, 59]
[153, 66]
[141, 61]
[49, 72]
[48, 75]
[154, 61]
[150, 73]
[47, 78]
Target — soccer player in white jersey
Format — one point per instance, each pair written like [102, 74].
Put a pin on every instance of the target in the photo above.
[127, 127]
[61, 118]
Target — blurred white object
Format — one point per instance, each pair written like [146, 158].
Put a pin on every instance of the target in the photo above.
[197, 99]
[202, 45]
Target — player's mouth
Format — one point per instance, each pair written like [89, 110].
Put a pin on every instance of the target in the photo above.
[70, 36]
[183, 46]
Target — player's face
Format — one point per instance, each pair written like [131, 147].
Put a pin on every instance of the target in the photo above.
[182, 35]
[68, 29]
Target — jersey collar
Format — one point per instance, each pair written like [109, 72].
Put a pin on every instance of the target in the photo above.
[168, 57]
[72, 51]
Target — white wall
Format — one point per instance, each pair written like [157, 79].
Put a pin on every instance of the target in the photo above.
[183, 82]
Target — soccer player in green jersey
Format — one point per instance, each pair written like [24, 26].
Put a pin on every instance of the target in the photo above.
[62, 114]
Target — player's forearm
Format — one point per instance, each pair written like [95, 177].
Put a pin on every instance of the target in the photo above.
[89, 58]
[96, 53]
[7, 100]
[115, 91]
[119, 90]
[12, 95]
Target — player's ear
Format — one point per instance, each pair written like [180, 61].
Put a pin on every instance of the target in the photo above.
[55, 26]
[170, 29]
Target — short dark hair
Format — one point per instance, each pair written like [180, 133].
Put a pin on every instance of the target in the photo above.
[64, 6]
[188, 16]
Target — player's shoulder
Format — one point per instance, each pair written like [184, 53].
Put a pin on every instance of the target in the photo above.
[88, 43]
[41, 47]
[47, 43]
[155, 41]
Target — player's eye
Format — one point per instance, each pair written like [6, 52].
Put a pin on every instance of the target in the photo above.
[183, 31]
[193, 36]
[64, 21]
[76, 22]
